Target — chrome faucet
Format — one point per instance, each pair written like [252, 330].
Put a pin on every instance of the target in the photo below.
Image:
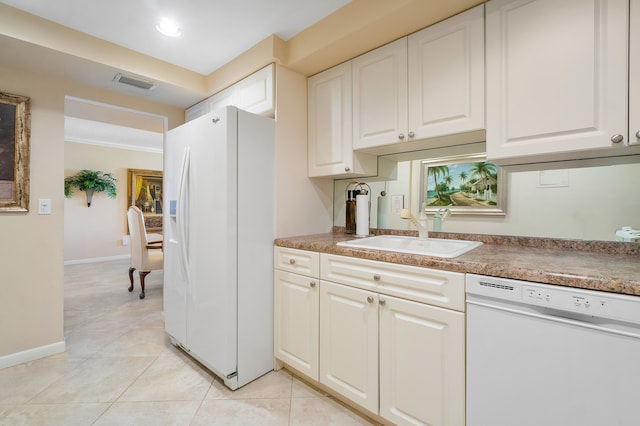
[421, 224]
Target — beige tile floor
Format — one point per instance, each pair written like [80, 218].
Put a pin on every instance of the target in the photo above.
[120, 369]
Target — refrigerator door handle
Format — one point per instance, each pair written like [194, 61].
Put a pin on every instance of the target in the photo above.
[182, 211]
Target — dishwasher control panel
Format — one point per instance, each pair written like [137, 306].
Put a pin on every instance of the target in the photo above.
[588, 302]
[591, 304]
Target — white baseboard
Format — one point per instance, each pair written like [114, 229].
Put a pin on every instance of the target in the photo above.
[97, 259]
[31, 354]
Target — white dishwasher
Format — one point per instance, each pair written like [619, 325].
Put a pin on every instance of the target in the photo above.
[543, 355]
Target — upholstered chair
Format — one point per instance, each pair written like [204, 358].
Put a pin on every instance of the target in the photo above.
[146, 256]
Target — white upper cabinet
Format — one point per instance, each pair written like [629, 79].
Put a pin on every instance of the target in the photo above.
[221, 99]
[253, 93]
[329, 127]
[446, 76]
[380, 96]
[634, 73]
[422, 91]
[556, 78]
[426, 85]
[196, 110]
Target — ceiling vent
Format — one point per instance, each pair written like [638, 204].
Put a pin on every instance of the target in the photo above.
[135, 82]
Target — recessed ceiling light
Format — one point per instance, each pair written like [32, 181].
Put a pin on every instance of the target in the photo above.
[168, 28]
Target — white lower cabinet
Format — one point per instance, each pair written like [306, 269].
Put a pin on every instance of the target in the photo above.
[388, 337]
[422, 375]
[296, 316]
[297, 322]
[349, 343]
[385, 349]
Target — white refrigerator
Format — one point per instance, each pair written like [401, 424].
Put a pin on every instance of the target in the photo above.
[218, 242]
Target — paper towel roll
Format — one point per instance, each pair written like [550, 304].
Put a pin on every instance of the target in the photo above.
[362, 215]
[383, 210]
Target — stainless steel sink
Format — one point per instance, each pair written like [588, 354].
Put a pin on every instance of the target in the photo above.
[431, 247]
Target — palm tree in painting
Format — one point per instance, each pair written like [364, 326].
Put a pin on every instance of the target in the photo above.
[463, 180]
[449, 181]
[438, 171]
[483, 171]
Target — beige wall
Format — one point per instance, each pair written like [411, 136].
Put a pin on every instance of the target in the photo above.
[95, 232]
[31, 249]
[31, 253]
[303, 205]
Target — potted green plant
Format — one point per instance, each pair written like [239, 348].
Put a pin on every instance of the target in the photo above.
[90, 181]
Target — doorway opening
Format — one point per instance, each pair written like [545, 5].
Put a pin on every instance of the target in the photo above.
[109, 139]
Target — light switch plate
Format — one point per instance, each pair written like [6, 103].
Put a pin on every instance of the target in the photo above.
[44, 205]
[553, 178]
[397, 203]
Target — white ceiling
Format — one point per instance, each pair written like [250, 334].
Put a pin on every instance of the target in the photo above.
[213, 31]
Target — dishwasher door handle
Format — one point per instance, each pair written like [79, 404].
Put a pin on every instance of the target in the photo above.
[554, 316]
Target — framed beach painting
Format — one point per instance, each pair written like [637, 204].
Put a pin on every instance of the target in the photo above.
[15, 128]
[464, 184]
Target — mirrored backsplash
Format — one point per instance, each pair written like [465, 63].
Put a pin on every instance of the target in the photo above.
[586, 200]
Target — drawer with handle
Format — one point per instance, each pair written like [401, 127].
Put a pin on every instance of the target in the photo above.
[432, 286]
[301, 262]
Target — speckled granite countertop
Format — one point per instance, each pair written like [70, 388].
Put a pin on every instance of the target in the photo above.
[612, 267]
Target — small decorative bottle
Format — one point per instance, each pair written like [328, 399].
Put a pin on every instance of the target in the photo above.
[350, 214]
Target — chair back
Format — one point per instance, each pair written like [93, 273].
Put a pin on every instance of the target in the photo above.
[137, 238]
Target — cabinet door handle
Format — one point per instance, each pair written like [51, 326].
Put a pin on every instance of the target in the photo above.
[411, 134]
[292, 261]
[312, 284]
[401, 136]
[638, 134]
[376, 277]
[617, 138]
[347, 168]
[382, 301]
[370, 299]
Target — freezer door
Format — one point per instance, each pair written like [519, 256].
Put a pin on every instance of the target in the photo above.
[200, 262]
[175, 279]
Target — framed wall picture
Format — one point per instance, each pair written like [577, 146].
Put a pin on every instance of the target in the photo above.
[463, 184]
[144, 190]
[15, 129]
